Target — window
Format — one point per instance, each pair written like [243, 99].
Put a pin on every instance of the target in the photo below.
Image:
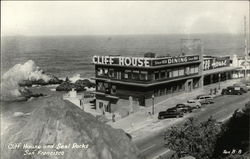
[156, 75]
[196, 69]
[168, 73]
[181, 71]
[106, 87]
[192, 70]
[127, 74]
[144, 75]
[100, 72]
[187, 71]
[118, 75]
[163, 74]
[136, 75]
[100, 86]
[105, 71]
[175, 72]
[113, 89]
[111, 73]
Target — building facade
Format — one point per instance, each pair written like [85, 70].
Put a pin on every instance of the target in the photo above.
[143, 78]
[217, 69]
[243, 66]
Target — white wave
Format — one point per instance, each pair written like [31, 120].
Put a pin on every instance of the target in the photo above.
[18, 73]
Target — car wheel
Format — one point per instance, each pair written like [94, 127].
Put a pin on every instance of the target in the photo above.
[162, 117]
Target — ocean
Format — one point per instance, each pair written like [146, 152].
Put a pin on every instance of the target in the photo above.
[70, 55]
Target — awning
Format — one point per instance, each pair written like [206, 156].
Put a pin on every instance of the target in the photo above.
[219, 70]
[148, 83]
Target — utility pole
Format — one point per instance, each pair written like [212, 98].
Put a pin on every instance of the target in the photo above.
[153, 104]
[245, 36]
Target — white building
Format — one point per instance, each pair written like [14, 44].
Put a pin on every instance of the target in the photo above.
[243, 64]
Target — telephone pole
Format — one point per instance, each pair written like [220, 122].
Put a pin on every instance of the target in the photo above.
[246, 52]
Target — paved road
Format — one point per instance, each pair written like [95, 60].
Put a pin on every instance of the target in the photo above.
[223, 107]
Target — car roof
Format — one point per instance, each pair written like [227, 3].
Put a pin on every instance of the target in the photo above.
[204, 96]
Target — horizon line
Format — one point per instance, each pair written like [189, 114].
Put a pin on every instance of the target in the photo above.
[47, 35]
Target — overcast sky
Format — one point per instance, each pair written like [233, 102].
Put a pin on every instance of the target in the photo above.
[131, 17]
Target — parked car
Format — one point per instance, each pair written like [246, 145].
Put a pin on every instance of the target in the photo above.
[248, 86]
[193, 103]
[204, 99]
[232, 90]
[184, 108]
[172, 113]
[242, 85]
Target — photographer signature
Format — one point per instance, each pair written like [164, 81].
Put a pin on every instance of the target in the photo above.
[233, 151]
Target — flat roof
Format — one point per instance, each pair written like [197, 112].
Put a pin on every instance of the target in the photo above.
[219, 70]
[151, 67]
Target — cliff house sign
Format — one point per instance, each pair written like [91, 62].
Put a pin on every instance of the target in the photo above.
[142, 61]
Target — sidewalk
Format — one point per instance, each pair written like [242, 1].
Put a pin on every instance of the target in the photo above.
[140, 124]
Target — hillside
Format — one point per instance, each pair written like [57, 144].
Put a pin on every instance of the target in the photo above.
[61, 125]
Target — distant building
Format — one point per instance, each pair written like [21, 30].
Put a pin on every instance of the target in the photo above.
[243, 66]
[217, 69]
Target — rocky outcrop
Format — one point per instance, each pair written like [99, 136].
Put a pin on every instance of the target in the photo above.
[68, 86]
[56, 122]
[79, 85]
[84, 83]
[52, 80]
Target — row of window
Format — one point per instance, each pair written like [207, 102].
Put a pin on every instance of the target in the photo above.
[105, 87]
[144, 75]
[176, 72]
[123, 74]
[174, 88]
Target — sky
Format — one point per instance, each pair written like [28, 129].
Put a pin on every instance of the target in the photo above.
[40, 18]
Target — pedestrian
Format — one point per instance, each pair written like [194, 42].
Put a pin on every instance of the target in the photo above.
[149, 113]
[113, 117]
[211, 91]
[215, 90]
[132, 125]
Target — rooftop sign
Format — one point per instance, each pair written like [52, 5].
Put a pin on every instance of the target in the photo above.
[216, 62]
[141, 61]
[174, 60]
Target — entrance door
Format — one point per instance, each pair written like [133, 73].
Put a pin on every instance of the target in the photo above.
[142, 101]
[189, 85]
[107, 107]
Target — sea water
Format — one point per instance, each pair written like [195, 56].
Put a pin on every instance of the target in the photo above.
[69, 55]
